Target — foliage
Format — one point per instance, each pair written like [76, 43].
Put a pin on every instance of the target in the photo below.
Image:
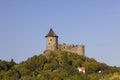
[57, 65]
[111, 76]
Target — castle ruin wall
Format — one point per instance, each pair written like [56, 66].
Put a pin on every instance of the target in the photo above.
[79, 49]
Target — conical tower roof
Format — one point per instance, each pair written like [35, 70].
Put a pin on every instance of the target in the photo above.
[51, 33]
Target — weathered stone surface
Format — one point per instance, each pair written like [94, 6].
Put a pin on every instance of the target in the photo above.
[52, 44]
[79, 49]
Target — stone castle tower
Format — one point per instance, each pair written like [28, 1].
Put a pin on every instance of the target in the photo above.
[52, 44]
[51, 40]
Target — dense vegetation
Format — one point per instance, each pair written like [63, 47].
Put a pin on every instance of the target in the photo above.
[57, 65]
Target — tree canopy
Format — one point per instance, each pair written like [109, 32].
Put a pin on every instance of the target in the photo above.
[57, 65]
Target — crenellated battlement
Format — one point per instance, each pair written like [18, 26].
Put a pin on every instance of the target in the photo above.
[79, 49]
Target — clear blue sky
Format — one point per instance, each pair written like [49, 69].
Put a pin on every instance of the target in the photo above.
[94, 23]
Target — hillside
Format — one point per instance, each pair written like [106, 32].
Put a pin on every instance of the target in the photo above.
[57, 65]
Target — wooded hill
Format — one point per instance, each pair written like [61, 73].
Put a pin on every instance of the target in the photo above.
[57, 65]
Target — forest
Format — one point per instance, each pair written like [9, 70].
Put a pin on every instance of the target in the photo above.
[57, 65]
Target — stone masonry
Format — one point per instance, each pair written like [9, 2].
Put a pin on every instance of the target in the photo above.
[52, 44]
[79, 49]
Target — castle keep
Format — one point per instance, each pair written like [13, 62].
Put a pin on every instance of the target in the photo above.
[52, 44]
[51, 40]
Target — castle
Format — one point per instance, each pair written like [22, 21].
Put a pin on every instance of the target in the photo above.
[52, 44]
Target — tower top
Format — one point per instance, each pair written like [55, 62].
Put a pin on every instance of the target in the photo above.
[51, 33]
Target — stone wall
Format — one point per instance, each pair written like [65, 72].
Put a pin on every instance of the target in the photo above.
[79, 49]
[51, 43]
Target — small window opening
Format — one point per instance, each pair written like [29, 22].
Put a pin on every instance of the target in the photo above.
[48, 43]
[50, 39]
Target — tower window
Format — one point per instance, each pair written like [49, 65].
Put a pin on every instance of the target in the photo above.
[48, 43]
[50, 39]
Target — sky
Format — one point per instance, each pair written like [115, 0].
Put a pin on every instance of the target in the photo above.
[93, 23]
